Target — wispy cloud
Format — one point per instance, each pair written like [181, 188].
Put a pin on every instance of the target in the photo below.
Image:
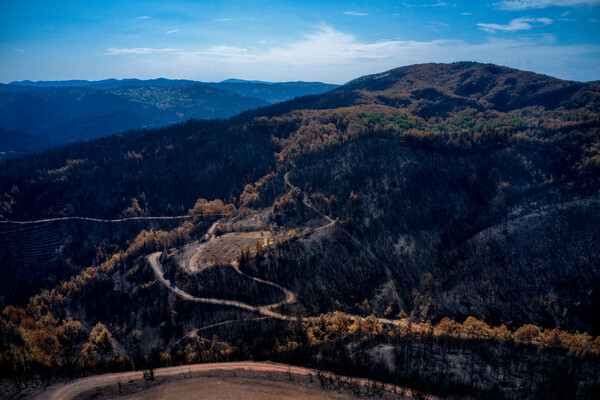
[328, 54]
[226, 50]
[355, 13]
[337, 54]
[515, 5]
[438, 4]
[137, 50]
[222, 19]
[143, 17]
[18, 50]
[466, 13]
[172, 31]
[219, 54]
[328, 46]
[518, 24]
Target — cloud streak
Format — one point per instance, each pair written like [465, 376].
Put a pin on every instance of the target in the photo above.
[438, 4]
[516, 5]
[328, 54]
[172, 31]
[518, 24]
[356, 14]
[138, 50]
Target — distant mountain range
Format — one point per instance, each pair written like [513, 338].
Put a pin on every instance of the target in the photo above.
[272, 92]
[43, 114]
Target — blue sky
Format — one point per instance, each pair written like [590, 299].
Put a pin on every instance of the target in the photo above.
[330, 41]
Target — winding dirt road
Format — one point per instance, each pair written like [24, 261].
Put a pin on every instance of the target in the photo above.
[290, 297]
[306, 201]
[70, 391]
[267, 310]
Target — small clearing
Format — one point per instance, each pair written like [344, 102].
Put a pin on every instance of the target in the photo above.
[224, 250]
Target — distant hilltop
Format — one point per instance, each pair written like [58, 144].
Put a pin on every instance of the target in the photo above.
[104, 84]
[60, 112]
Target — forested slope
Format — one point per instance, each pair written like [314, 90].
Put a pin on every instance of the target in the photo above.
[68, 114]
[458, 190]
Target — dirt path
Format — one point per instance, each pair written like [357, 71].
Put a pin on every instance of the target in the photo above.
[39, 221]
[69, 391]
[306, 201]
[267, 310]
[194, 333]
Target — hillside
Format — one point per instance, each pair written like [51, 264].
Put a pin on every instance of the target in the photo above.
[274, 92]
[63, 115]
[419, 197]
[434, 91]
[16, 144]
[61, 112]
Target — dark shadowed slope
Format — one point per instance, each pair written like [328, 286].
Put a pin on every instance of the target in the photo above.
[63, 115]
[58, 112]
[427, 166]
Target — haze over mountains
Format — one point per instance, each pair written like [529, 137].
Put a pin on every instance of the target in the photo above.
[38, 115]
[455, 207]
[272, 92]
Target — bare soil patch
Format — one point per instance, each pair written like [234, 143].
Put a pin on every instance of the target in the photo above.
[236, 380]
[223, 250]
[249, 387]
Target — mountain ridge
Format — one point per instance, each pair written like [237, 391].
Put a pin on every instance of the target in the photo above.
[239, 86]
[82, 110]
[433, 195]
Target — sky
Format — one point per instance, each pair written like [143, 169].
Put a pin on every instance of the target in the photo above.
[328, 41]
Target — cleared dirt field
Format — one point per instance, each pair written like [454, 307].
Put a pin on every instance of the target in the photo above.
[236, 380]
[208, 388]
[223, 250]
